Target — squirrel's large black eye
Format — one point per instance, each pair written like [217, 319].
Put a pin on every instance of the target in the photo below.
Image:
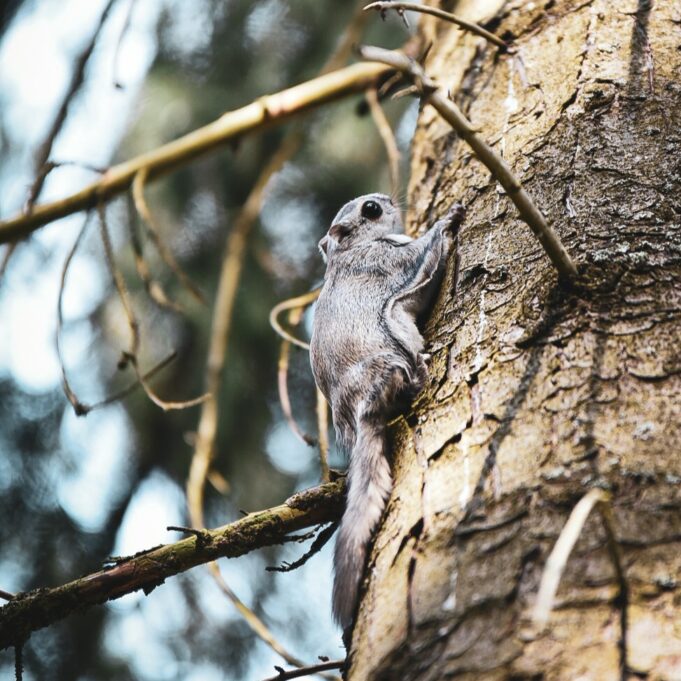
[371, 210]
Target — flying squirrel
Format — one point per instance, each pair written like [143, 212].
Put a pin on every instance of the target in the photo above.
[368, 359]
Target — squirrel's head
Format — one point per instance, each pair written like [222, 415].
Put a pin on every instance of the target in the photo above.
[365, 218]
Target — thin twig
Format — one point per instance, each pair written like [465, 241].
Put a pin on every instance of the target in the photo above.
[119, 43]
[9, 251]
[306, 671]
[135, 385]
[405, 92]
[79, 407]
[19, 662]
[220, 483]
[441, 14]
[388, 137]
[43, 166]
[323, 435]
[201, 536]
[555, 565]
[43, 154]
[230, 274]
[206, 433]
[155, 234]
[527, 209]
[389, 84]
[284, 400]
[40, 608]
[347, 41]
[153, 288]
[317, 545]
[41, 175]
[132, 355]
[294, 318]
[290, 304]
[119, 282]
[253, 621]
[258, 115]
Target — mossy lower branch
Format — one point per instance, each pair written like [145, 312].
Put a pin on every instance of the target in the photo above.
[33, 610]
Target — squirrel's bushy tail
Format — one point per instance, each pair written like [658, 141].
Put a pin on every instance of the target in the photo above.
[369, 485]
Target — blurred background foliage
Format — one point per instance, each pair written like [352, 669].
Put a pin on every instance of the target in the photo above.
[76, 490]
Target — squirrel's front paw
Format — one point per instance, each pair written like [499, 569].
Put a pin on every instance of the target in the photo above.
[455, 216]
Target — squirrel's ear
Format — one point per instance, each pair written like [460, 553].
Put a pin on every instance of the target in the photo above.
[340, 230]
[323, 247]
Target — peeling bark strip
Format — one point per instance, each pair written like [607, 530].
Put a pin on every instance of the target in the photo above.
[537, 394]
[34, 610]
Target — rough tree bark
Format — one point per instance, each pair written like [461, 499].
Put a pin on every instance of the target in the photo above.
[539, 393]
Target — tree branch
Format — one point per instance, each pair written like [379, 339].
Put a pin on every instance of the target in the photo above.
[440, 14]
[34, 610]
[284, 675]
[261, 113]
[387, 137]
[42, 168]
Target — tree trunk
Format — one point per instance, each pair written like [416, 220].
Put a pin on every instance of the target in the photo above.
[539, 393]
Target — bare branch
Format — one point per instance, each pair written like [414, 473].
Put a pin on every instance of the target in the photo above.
[387, 136]
[128, 390]
[291, 304]
[440, 14]
[154, 289]
[131, 356]
[18, 663]
[155, 234]
[42, 167]
[317, 545]
[527, 209]
[230, 275]
[253, 621]
[294, 318]
[28, 612]
[262, 113]
[206, 434]
[306, 671]
[78, 407]
[7, 254]
[119, 43]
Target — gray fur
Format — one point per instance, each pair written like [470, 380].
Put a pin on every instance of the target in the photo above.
[367, 358]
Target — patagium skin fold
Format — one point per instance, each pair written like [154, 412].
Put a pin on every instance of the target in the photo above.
[367, 356]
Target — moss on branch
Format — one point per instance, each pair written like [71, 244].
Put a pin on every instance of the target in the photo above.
[33, 610]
